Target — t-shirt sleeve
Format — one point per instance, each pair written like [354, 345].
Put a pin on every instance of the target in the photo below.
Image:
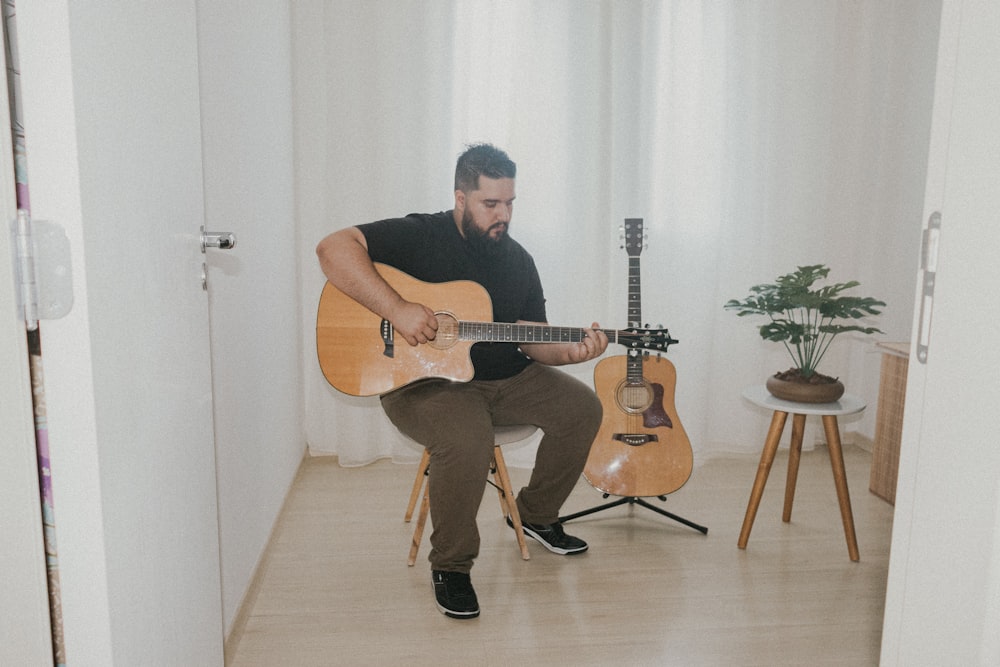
[393, 241]
[534, 306]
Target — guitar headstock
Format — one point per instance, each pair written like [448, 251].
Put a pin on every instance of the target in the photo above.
[634, 238]
[646, 339]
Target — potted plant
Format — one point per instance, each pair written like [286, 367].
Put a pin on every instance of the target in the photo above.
[806, 320]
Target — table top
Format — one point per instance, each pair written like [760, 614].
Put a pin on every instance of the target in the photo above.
[896, 349]
[847, 405]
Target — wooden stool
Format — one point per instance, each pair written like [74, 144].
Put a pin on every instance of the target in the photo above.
[847, 405]
[503, 435]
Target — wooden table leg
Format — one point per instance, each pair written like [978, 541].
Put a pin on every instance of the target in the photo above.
[794, 454]
[763, 469]
[840, 480]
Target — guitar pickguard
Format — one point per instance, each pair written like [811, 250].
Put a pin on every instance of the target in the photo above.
[655, 415]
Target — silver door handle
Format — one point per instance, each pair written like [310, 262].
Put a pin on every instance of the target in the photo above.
[220, 240]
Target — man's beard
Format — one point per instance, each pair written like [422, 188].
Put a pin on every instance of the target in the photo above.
[481, 242]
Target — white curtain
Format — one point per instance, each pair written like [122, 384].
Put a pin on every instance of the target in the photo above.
[751, 137]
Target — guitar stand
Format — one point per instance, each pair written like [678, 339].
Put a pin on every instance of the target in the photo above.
[635, 500]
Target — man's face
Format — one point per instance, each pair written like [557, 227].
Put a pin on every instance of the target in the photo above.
[486, 212]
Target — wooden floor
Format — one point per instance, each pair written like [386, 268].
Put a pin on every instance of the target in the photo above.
[335, 588]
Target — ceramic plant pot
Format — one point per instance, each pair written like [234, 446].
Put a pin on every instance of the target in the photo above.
[805, 392]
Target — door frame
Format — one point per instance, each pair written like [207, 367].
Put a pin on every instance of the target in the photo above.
[24, 603]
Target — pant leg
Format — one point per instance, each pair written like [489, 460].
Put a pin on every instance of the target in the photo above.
[569, 413]
[452, 420]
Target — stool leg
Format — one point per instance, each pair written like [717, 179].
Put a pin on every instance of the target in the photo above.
[763, 469]
[497, 480]
[840, 480]
[508, 504]
[417, 483]
[418, 532]
[798, 430]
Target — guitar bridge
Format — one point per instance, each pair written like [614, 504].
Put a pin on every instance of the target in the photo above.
[388, 339]
[636, 439]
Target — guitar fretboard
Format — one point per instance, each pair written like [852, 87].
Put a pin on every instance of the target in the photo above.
[502, 332]
[633, 235]
[634, 293]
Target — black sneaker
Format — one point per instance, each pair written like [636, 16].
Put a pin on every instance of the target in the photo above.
[455, 596]
[553, 538]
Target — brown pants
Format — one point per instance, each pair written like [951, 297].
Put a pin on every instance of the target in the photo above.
[454, 421]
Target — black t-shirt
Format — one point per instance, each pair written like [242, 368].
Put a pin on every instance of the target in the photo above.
[429, 247]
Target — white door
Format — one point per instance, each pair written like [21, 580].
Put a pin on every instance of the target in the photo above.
[114, 153]
[943, 598]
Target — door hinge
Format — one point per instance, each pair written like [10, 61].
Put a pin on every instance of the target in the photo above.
[928, 264]
[43, 270]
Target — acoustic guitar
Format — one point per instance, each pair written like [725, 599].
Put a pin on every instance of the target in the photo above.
[641, 448]
[359, 355]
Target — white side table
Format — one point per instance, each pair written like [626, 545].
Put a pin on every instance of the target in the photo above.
[847, 405]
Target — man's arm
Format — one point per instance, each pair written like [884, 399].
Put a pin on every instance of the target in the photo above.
[560, 354]
[343, 257]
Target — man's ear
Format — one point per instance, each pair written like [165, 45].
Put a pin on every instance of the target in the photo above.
[459, 201]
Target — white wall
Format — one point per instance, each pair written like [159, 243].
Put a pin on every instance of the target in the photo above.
[884, 178]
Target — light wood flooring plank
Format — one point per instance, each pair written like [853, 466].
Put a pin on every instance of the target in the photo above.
[337, 591]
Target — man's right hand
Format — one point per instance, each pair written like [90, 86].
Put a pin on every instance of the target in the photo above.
[415, 322]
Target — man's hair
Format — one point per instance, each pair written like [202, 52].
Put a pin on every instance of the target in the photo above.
[482, 159]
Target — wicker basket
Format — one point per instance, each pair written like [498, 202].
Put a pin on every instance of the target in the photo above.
[889, 420]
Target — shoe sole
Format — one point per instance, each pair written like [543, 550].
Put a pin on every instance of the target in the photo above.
[461, 615]
[556, 550]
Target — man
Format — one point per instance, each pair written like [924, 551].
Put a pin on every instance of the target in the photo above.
[512, 384]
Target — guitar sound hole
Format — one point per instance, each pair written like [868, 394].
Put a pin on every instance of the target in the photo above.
[447, 333]
[634, 397]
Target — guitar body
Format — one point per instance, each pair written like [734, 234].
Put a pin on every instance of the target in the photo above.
[641, 448]
[358, 354]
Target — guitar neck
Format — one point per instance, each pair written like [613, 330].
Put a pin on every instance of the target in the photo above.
[633, 227]
[503, 332]
[634, 293]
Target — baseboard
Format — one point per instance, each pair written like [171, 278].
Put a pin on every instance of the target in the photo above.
[861, 441]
